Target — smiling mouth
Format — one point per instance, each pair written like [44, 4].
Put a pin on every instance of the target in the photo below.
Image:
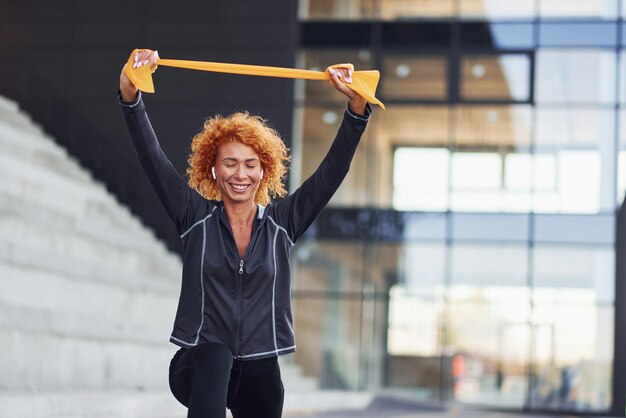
[239, 188]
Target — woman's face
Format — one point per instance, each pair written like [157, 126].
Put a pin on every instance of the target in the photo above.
[238, 171]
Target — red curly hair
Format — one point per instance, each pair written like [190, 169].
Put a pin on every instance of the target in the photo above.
[249, 130]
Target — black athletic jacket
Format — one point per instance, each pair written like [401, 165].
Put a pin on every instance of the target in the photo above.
[244, 304]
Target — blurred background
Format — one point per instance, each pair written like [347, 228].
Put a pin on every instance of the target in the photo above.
[469, 258]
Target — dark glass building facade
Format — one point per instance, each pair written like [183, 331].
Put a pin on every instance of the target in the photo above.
[470, 255]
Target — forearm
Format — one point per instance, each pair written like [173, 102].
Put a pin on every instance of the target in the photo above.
[315, 193]
[128, 91]
[171, 189]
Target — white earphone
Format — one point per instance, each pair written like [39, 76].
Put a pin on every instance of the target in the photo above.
[261, 174]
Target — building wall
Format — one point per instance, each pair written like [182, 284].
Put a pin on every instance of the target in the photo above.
[486, 193]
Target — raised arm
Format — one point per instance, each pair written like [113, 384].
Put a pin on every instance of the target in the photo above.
[299, 210]
[171, 188]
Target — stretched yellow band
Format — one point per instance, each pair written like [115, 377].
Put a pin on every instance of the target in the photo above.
[363, 82]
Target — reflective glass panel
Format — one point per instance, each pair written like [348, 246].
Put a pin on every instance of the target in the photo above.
[487, 318]
[488, 265]
[489, 337]
[409, 77]
[337, 9]
[494, 126]
[318, 60]
[328, 341]
[399, 182]
[575, 76]
[402, 9]
[328, 266]
[590, 271]
[502, 77]
[319, 127]
[590, 9]
[573, 327]
[578, 34]
[581, 143]
[420, 179]
[497, 9]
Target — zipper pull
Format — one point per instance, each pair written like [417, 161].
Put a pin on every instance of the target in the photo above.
[241, 267]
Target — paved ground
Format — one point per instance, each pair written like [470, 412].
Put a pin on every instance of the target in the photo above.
[383, 407]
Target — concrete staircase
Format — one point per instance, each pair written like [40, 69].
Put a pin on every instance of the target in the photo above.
[87, 293]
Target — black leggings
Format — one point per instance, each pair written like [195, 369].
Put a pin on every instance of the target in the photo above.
[207, 380]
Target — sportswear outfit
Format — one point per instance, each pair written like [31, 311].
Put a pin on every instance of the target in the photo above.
[240, 303]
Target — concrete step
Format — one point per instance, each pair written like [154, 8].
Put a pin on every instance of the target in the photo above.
[105, 232]
[92, 404]
[10, 113]
[46, 362]
[129, 235]
[119, 310]
[83, 201]
[73, 248]
[32, 259]
[39, 150]
[41, 177]
[42, 202]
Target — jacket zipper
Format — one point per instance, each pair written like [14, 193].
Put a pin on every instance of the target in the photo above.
[239, 298]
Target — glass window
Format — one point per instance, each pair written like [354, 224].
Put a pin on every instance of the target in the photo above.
[590, 9]
[580, 229]
[328, 266]
[492, 126]
[329, 341]
[489, 227]
[422, 269]
[475, 181]
[587, 271]
[318, 60]
[488, 338]
[319, 128]
[575, 76]
[573, 127]
[420, 179]
[582, 143]
[502, 77]
[489, 265]
[414, 324]
[476, 170]
[573, 334]
[402, 9]
[337, 9]
[573, 354]
[501, 35]
[402, 127]
[410, 77]
[578, 34]
[525, 171]
[497, 9]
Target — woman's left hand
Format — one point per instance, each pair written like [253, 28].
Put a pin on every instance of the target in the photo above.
[342, 76]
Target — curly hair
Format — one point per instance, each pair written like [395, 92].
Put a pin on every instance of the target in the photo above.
[249, 130]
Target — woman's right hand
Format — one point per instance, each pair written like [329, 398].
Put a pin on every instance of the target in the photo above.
[143, 57]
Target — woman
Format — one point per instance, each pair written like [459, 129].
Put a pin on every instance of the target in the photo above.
[234, 313]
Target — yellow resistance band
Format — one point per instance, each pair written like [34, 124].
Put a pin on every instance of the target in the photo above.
[363, 82]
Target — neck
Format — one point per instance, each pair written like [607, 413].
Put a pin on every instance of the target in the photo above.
[240, 213]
